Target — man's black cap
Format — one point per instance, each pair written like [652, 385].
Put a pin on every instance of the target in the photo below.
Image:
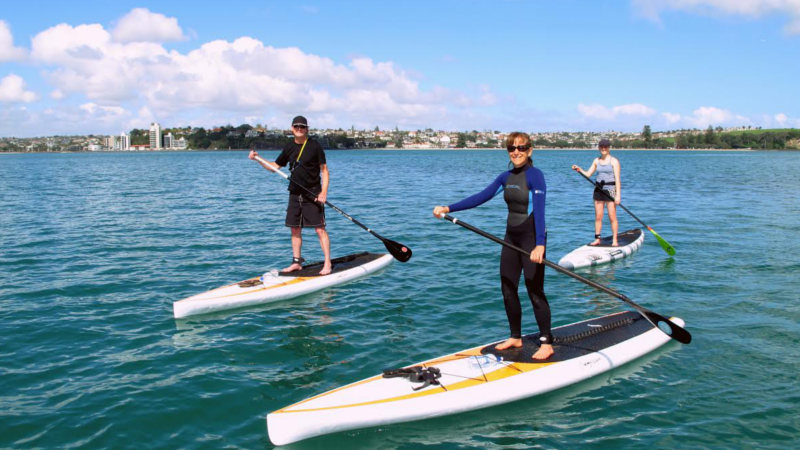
[299, 120]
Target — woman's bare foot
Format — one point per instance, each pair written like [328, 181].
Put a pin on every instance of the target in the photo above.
[615, 244]
[545, 351]
[595, 242]
[326, 269]
[510, 342]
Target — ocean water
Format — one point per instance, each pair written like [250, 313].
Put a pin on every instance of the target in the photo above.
[94, 248]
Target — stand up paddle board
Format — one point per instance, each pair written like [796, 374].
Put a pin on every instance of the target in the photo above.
[594, 255]
[471, 379]
[276, 285]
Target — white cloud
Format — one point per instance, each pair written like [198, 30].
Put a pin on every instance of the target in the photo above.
[141, 25]
[748, 8]
[671, 118]
[12, 90]
[708, 115]
[244, 77]
[7, 50]
[600, 112]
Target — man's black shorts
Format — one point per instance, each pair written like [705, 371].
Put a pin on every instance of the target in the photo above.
[304, 212]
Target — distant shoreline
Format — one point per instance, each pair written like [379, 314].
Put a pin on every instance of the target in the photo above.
[427, 149]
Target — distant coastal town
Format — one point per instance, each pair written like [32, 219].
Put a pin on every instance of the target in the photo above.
[261, 137]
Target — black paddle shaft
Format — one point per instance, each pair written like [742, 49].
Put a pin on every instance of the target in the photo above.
[608, 196]
[676, 332]
[398, 250]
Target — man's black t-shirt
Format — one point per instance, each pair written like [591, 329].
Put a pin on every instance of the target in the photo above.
[306, 171]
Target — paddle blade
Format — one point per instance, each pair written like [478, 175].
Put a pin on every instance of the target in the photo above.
[664, 244]
[668, 327]
[398, 250]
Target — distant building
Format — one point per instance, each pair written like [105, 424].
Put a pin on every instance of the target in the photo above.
[155, 136]
[124, 141]
[168, 140]
[179, 144]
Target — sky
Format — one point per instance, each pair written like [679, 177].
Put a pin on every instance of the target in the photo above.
[106, 67]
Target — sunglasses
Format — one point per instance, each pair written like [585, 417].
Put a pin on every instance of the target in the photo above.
[299, 127]
[521, 148]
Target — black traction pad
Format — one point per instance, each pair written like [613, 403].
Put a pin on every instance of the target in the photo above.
[623, 238]
[578, 339]
[339, 265]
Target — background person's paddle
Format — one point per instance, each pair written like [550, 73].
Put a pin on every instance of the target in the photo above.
[398, 250]
[664, 244]
[675, 331]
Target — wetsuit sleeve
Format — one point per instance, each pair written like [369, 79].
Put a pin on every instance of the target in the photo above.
[481, 197]
[538, 190]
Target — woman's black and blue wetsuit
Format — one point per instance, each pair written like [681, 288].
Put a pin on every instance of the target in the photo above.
[524, 191]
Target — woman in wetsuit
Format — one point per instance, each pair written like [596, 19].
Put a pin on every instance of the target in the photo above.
[524, 191]
[607, 181]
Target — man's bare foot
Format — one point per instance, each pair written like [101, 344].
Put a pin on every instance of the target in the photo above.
[615, 244]
[326, 269]
[595, 242]
[294, 267]
[545, 351]
[510, 342]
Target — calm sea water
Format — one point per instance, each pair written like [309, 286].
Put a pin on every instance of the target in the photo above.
[94, 248]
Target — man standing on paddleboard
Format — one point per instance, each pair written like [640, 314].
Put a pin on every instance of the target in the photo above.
[524, 191]
[306, 160]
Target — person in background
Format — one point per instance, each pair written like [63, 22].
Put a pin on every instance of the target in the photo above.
[306, 160]
[524, 191]
[607, 192]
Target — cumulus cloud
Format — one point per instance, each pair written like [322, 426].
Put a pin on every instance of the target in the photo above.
[748, 8]
[708, 115]
[12, 90]
[243, 76]
[7, 50]
[600, 112]
[142, 25]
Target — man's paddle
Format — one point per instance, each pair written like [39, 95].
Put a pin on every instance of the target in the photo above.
[664, 244]
[398, 250]
[675, 332]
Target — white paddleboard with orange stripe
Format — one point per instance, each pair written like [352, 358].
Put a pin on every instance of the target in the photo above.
[471, 379]
[276, 285]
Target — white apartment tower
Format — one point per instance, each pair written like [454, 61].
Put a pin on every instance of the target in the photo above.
[124, 141]
[155, 136]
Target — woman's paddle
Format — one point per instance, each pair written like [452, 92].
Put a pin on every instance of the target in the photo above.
[664, 244]
[398, 250]
[675, 332]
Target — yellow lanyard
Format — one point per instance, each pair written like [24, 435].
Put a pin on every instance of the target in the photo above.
[301, 151]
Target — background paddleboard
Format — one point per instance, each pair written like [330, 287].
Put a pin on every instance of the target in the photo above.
[276, 285]
[471, 379]
[593, 255]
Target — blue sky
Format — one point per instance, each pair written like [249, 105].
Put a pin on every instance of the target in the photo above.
[104, 67]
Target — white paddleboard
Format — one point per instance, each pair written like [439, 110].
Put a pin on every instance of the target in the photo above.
[594, 255]
[471, 379]
[275, 285]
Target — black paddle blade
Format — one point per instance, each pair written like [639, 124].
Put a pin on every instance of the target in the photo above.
[668, 327]
[398, 250]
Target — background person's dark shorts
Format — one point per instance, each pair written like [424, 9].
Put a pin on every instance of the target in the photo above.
[304, 212]
[602, 198]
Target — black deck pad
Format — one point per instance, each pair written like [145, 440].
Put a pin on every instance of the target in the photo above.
[578, 339]
[339, 264]
[623, 238]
